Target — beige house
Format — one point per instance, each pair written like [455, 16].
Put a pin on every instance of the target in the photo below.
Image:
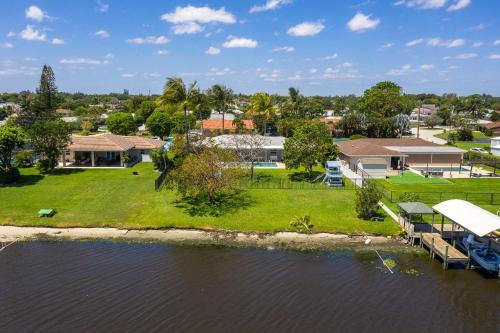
[108, 150]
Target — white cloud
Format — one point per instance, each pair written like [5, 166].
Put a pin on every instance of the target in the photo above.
[82, 61]
[237, 42]
[361, 22]
[109, 56]
[57, 41]
[346, 64]
[313, 70]
[29, 59]
[270, 5]
[102, 7]
[494, 56]
[477, 44]
[101, 34]
[187, 28]
[219, 72]
[162, 52]
[35, 13]
[414, 42]
[386, 46]
[331, 56]
[201, 15]
[11, 34]
[212, 50]
[284, 49]
[128, 75]
[30, 33]
[295, 77]
[306, 29]
[459, 4]
[479, 27]
[404, 70]
[156, 40]
[446, 43]
[7, 46]
[465, 56]
[426, 67]
[422, 4]
[497, 42]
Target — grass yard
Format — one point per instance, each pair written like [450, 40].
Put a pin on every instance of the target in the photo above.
[468, 145]
[410, 178]
[476, 190]
[117, 198]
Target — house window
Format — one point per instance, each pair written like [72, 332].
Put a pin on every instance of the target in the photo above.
[143, 152]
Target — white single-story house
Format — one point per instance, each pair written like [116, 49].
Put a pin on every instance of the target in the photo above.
[108, 150]
[271, 146]
[495, 146]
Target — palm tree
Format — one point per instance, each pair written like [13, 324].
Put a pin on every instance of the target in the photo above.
[175, 92]
[302, 223]
[221, 98]
[261, 104]
[295, 100]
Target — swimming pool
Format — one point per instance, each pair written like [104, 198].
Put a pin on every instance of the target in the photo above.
[265, 165]
[443, 169]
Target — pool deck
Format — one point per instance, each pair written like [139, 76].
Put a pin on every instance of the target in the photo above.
[415, 168]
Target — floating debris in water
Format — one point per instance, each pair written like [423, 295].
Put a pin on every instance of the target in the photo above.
[390, 263]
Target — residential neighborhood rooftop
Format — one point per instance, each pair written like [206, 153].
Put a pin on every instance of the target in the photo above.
[112, 142]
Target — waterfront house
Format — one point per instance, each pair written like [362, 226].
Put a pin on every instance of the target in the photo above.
[212, 127]
[109, 150]
[271, 146]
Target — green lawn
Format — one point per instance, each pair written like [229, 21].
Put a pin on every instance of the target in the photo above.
[467, 145]
[115, 197]
[476, 190]
[410, 178]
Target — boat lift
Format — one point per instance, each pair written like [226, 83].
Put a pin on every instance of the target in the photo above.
[333, 174]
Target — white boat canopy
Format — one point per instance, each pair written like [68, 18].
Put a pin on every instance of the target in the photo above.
[469, 216]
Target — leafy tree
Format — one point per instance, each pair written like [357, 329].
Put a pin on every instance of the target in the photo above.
[402, 123]
[302, 223]
[239, 123]
[175, 92]
[134, 103]
[249, 148]
[310, 145]
[495, 116]
[49, 139]
[367, 199]
[145, 109]
[121, 123]
[24, 159]
[204, 175]
[11, 137]
[221, 99]
[353, 123]
[160, 158]
[159, 124]
[433, 121]
[261, 105]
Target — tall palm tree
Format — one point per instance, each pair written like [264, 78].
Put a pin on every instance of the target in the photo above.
[221, 99]
[175, 92]
[261, 104]
[295, 100]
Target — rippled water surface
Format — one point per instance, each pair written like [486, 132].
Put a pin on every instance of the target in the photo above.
[116, 287]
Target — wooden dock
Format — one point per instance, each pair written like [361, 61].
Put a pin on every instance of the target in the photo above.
[441, 248]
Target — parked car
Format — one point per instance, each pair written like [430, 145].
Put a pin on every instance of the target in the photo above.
[479, 150]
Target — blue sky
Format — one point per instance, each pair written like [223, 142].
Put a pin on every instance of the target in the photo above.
[324, 47]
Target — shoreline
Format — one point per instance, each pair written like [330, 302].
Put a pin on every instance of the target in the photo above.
[292, 240]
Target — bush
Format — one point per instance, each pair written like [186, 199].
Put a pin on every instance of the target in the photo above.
[465, 135]
[367, 199]
[409, 197]
[357, 136]
[9, 177]
[24, 159]
[44, 166]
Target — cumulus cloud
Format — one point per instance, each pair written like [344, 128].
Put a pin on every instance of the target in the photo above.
[190, 19]
[30, 33]
[82, 61]
[386, 46]
[497, 42]
[57, 41]
[477, 44]
[128, 75]
[415, 42]
[306, 29]
[102, 7]
[459, 4]
[284, 49]
[237, 42]
[361, 22]
[212, 50]
[101, 34]
[219, 72]
[35, 13]
[422, 4]
[465, 56]
[270, 5]
[7, 46]
[494, 56]
[109, 56]
[445, 43]
[187, 28]
[426, 67]
[162, 52]
[404, 70]
[479, 27]
[331, 56]
[156, 40]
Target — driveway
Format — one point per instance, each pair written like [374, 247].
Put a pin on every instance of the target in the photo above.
[428, 134]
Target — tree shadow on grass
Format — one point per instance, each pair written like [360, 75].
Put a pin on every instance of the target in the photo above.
[225, 204]
[302, 176]
[24, 180]
[64, 172]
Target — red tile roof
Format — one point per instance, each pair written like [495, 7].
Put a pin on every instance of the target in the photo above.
[215, 124]
[493, 125]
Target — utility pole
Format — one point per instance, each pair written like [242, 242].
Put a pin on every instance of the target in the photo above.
[418, 120]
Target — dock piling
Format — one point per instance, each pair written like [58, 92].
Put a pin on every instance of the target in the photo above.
[445, 259]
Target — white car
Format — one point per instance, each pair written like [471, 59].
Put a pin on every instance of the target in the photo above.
[479, 150]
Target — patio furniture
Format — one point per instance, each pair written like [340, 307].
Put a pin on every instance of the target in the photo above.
[46, 212]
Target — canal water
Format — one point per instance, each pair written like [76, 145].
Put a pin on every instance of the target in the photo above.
[119, 287]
